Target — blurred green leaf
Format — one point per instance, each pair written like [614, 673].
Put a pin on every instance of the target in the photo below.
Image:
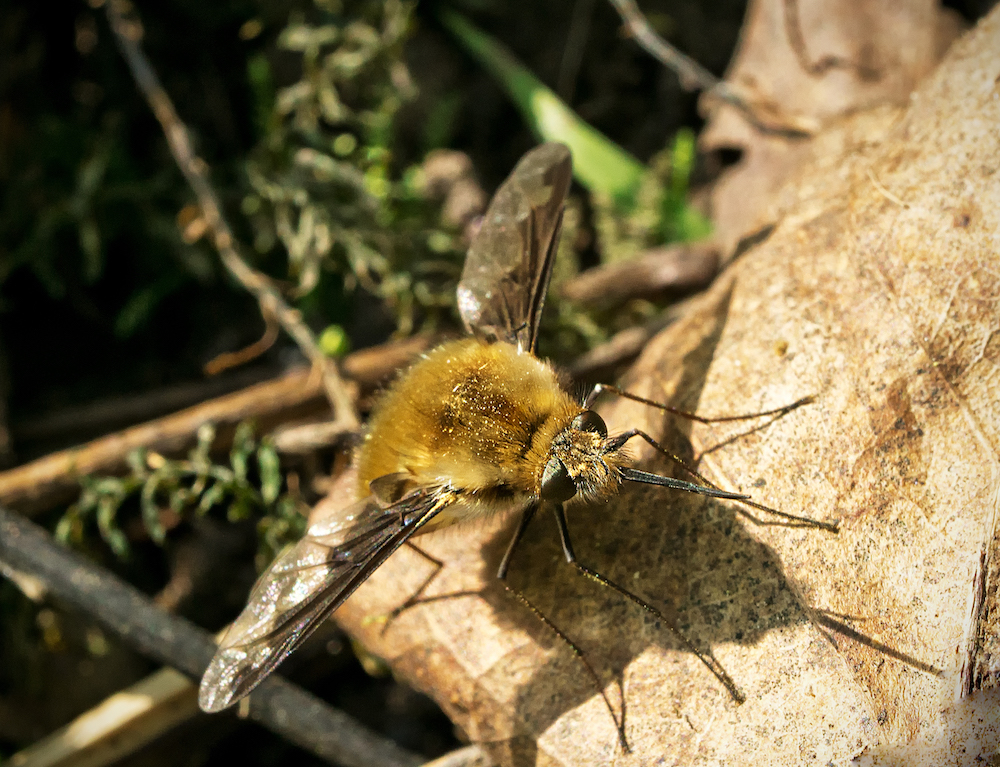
[140, 307]
[243, 446]
[270, 472]
[151, 509]
[598, 163]
[334, 341]
[107, 508]
[679, 220]
[262, 91]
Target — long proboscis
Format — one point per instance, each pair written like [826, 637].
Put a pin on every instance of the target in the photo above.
[646, 478]
[636, 475]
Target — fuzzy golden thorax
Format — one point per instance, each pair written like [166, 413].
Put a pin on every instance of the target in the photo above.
[482, 421]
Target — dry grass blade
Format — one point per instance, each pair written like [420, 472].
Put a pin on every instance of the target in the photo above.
[119, 726]
[135, 717]
[47, 481]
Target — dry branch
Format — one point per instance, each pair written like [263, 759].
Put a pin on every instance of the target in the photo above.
[672, 267]
[53, 479]
[132, 718]
[765, 115]
[282, 707]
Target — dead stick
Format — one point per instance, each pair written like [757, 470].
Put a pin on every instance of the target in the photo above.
[282, 707]
[670, 267]
[693, 76]
[128, 33]
[133, 718]
[53, 479]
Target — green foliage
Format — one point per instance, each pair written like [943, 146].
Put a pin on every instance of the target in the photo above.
[250, 485]
[598, 163]
[636, 207]
[323, 175]
[662, 213]
[334, 341]
[67, 195]
[679, 221]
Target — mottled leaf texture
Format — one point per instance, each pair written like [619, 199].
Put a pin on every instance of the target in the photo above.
[813, 61]
[878, 292]
[507, 270]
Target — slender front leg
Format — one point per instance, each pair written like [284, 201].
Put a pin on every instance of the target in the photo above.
[599, 389]
[710, 662]
[526, 517]
[417, 597]
[522, 525]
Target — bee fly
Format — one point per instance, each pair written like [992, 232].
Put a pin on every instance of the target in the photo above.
[478, 427]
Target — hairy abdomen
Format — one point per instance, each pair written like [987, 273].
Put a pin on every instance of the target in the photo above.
[476, 418]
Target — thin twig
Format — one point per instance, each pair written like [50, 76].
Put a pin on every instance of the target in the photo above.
[470, 756]
[693, 76]
[55, 478]
[883, 191]
[282, 707]
[600, 362]
[576, 40]
[128, 34]
[74, 423]
[227, 360]
[679, 267]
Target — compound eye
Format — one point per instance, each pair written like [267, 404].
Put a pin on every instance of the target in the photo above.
[557, 484]
[588, 420]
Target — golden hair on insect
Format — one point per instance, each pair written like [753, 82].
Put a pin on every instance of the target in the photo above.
[478, 427]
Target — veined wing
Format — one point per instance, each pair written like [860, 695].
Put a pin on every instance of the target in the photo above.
[305, 585]
[507, 269]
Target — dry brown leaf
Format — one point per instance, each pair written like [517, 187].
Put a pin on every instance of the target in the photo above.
[878, 291]
[813, 60]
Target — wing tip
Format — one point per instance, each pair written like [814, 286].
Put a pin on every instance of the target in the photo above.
[221, 685]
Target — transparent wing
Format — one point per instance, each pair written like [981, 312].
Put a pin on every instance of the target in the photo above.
[304, 586]
[509, 263]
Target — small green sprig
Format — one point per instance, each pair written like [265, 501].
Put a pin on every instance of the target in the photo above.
[251, 484]
[324, 180]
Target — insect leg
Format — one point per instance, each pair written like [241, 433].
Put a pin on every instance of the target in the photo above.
[618, 441]
[797, 521]
[417, 597]
[601, 388]
[526, 517]
[707, 658]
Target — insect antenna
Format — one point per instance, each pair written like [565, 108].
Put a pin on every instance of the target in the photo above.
[599, 389]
